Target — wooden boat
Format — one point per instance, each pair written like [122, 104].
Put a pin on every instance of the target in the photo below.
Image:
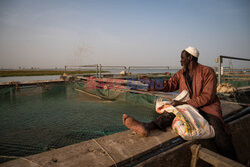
[159, 149]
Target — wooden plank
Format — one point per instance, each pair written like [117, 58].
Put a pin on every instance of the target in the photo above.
[214, 158]
[229, 108]
[237, 75]
[235, 78]
[114, 150]
[13, 83]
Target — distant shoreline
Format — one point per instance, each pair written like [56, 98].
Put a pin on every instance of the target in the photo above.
[12, 73]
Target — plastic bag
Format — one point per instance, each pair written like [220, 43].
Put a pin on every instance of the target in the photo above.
[188, 123]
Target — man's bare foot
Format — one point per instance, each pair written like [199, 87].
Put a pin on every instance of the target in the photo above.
[135, 125]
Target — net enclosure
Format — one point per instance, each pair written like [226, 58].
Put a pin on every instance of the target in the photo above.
[39, 118]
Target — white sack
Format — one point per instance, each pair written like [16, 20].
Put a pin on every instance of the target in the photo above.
[188, 123]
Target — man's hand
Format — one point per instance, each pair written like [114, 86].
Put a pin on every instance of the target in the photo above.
[177, 103]
[145, 80]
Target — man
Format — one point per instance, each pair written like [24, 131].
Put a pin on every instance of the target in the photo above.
[200, 81]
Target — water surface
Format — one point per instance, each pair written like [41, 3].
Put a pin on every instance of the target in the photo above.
[29, 78]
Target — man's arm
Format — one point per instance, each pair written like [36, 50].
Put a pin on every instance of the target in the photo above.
[168, 86]
[209, 90]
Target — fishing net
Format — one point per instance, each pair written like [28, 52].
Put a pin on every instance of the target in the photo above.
[116, 94]
[39, 118]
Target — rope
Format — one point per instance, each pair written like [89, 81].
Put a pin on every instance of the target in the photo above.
[16, 157]
[197, 151]
[105, 152]
[195, 156]
[88, 93]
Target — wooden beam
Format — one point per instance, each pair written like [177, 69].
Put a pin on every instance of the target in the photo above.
[31, 82]
[212, 157]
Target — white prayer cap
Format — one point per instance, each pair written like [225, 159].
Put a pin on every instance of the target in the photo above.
[193, 51]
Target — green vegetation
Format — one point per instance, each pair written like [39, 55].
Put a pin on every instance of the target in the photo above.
[9, 73]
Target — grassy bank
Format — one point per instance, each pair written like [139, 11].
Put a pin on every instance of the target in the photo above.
[11, 73]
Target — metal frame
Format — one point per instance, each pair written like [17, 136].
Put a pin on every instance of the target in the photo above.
[110, 67]
[99, 68]
[147, 67]
[220, 61]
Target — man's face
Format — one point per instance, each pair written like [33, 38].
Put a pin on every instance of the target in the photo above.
[185, 60]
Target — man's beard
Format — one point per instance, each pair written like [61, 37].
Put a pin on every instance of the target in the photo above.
[184, 67]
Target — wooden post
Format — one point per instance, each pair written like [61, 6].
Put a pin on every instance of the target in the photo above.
[220, 61]
[219, 69]
[195, 156]
[100, 70]
[97, 70]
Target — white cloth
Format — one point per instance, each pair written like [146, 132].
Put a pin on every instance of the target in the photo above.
[188, 123]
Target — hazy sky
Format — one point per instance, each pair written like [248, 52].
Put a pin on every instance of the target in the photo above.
[54, 33]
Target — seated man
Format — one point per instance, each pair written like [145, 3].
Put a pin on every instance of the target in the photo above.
[200, 81]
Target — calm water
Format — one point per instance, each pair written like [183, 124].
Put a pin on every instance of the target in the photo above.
[29, 78]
